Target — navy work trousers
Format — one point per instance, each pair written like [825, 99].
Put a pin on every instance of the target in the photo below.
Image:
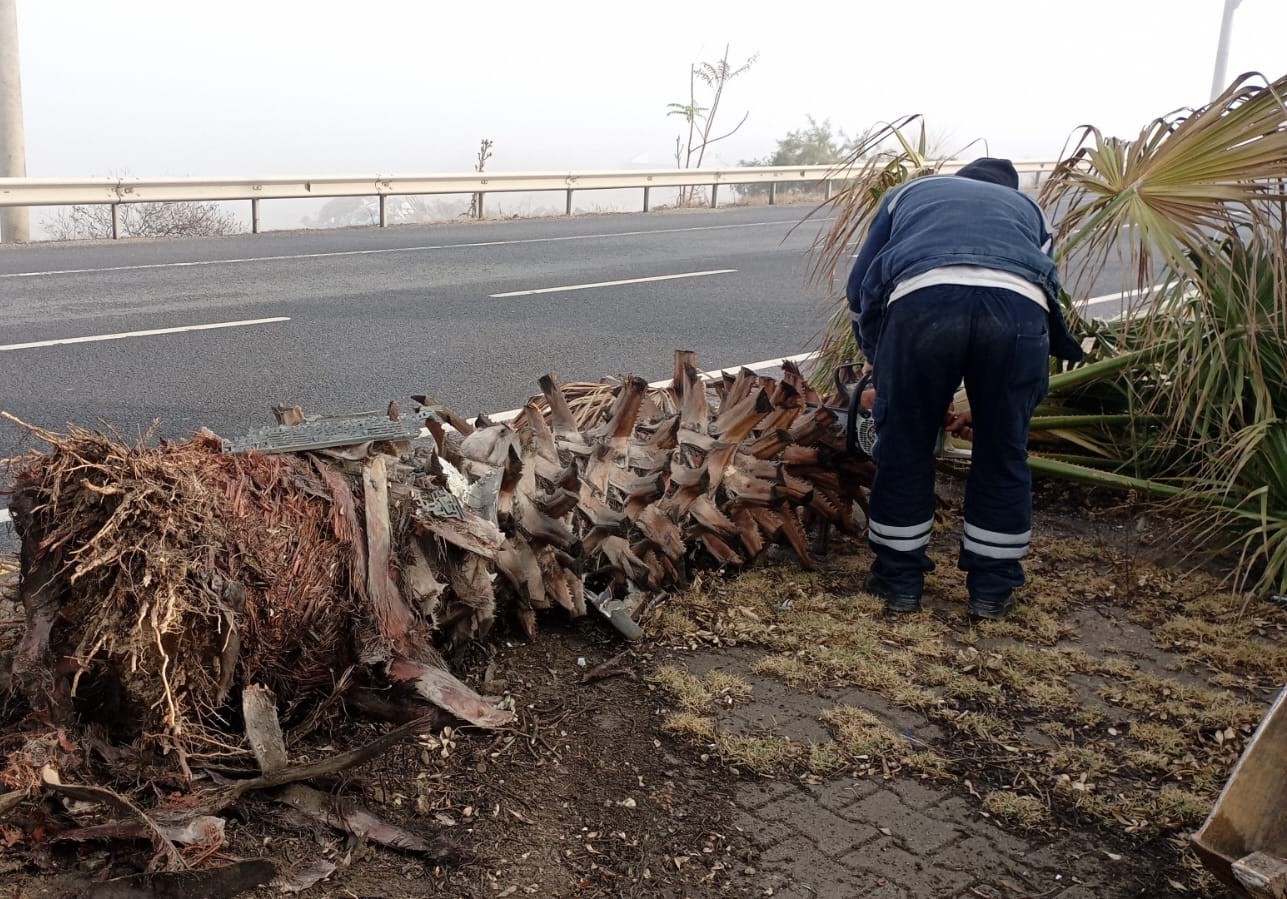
[998, 342]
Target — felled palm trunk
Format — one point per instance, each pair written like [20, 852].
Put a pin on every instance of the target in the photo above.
[624, 488]
[177, 574]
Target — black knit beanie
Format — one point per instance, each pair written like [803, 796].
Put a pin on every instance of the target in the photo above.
[990, 169]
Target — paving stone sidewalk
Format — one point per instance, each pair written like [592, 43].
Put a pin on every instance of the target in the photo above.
[860, 838]
[847, 838]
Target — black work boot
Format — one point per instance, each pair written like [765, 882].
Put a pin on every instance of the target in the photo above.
[894, 602]
[991, 608]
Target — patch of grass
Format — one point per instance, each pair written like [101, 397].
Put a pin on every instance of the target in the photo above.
[912, 696]
[1149, 760]
[729, 687]
[1232, 646]
[1087, 716]
[1078, 760]
[825, 758]
[1048, 695]
[1056, 730]
[871, 672]
[968, 688]
[1226, 681]
[1013, 808]
[919, 635]
[1047, 550]
[861, 733]
[927, 763]
[687, 724]
[1162, 699]
[1029, 622]
[1158, 737]
[1031, 673]
[1085, 800]
[763, 755]
[791, 668]
[687, 690]
[1220, 709]
[1036, 662]
[983, 726]
[694, 694]
[801, 629]
[863, 605]
[672, 624]
[1082, 662]
[1178, 807]
[1208, 601]
[937, 675]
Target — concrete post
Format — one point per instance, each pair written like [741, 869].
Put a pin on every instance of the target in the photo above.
[15, 221]
[1222, 49]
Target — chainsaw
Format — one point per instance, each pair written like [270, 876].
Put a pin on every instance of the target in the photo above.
[860, 428]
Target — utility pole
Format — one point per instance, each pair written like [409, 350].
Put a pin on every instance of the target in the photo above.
[1222, 49]
[15, 221]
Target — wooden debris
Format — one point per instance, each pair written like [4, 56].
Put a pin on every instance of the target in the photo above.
[170, 858]
[304, 876]
[263, 730]
[350, 817]
[613, 667]
[218, 800]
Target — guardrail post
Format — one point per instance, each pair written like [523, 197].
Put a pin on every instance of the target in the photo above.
[478, 207]
[773, 193]
[384, 211]
[569, 204]
[826, 189]
[714, 194]
[116, 221]
[254, 215]
[647, 192]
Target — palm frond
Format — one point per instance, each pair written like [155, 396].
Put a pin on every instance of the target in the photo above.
[1183, 178]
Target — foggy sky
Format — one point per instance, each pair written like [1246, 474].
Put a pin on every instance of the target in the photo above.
[274, 87]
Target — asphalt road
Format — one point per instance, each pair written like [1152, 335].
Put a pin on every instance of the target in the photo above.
[361, 317]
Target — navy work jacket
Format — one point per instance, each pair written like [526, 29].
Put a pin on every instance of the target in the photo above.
[942, 220]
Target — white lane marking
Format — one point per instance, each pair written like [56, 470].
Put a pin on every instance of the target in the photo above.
[1116, 310]
[421, 249]
[1118, 297]
[150, 333]
[528, 293]
[4, 515]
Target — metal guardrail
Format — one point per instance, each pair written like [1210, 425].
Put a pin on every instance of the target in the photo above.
[119, 191]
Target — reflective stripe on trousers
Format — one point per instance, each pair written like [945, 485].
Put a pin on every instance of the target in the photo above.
[900, 539]
[995, 544]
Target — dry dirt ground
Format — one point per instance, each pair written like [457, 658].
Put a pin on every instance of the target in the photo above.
[777, 735]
